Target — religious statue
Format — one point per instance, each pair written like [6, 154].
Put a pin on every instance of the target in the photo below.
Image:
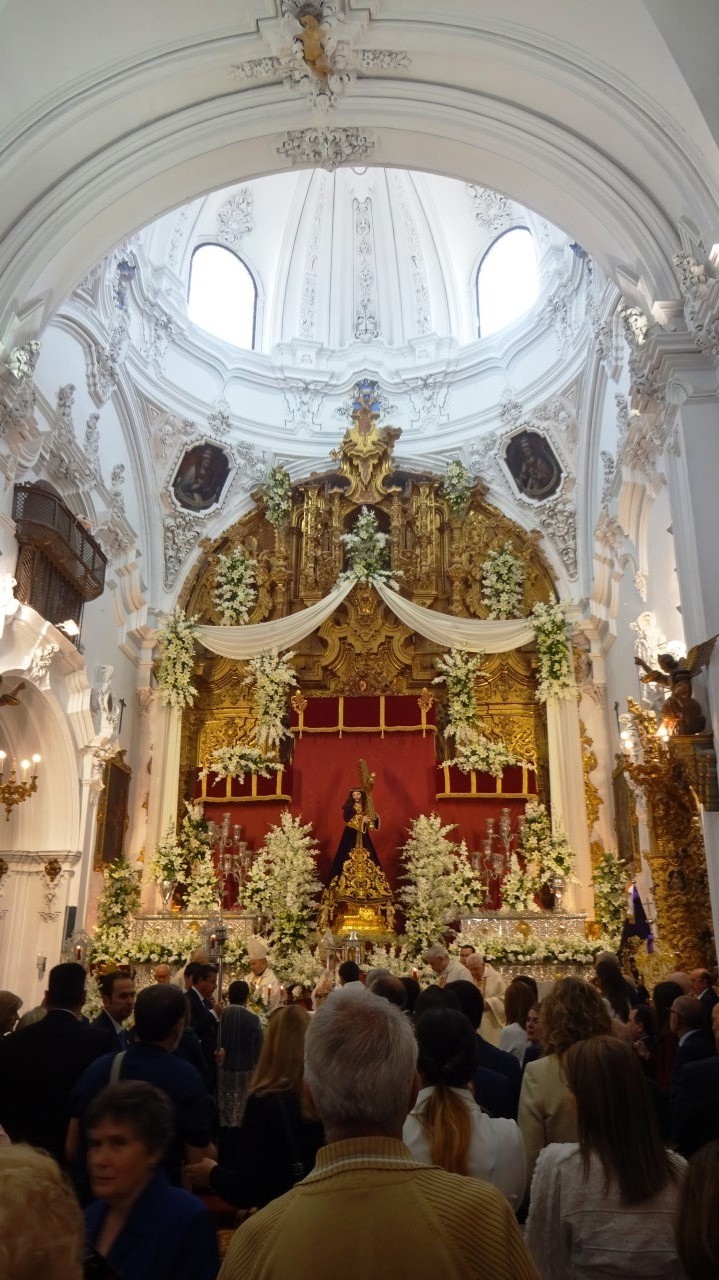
[358, 896]
[681, 713]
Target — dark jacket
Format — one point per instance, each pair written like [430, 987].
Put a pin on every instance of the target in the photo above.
[275, 1147]
[169, 1235]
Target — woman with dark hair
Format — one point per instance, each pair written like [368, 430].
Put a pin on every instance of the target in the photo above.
[572, 1011]
[663, 997]
[613, 988]
[445, 1126]
[518, 1000]
[605, 1206]
[144, 1228]
[535, 1047]
[697, 1226]
[642, 1028]
[278, 1141]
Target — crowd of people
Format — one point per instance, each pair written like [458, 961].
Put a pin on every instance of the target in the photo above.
[464, 1129]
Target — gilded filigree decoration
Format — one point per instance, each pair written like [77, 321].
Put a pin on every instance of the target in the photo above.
[298, 701]
[589, 764]
[365, 455]
[52, 869]
[677, 856]
[425, 701]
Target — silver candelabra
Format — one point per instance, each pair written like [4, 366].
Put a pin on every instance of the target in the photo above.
[233, 856]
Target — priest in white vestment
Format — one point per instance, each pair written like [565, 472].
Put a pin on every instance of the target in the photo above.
[492, 986]
[262, 980]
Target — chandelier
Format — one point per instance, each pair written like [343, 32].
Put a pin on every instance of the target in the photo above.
[15, 790]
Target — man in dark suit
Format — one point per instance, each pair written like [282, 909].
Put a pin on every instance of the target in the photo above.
[695, 1101]
[118, 1001]
[202, 1019]
[40, 1065]
[492, 1062]
[687, 1020]
[703, 989]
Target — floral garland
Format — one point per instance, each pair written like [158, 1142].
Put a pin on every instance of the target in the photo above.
[235, 762]
[277, 494]
[457, 487]
[270, 678]
[366, 551]
[203, 887]
[175, 672]
[235, 593]
[609, 881]
[282, 885]
[559, 950]
[169, 861]
[503, 583]
[556, 676]
[439, 884]
[459, 671]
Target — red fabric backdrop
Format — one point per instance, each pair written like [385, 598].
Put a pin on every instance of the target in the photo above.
[325, 767]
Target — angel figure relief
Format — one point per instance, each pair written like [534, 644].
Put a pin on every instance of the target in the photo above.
[681, 713]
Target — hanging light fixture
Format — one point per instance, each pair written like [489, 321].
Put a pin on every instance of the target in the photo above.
[15, 791]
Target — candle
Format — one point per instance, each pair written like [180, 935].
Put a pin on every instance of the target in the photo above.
[213, 941]
[269, 993]
[78, 954]
[414, 974]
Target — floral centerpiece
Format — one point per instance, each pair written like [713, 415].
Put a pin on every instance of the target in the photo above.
[282, 885]
[204, 888]
[457, 487]
[556, 675]
[169, 861]
[175, 671]
[459, 671]
[235, 593]
[235, 762]
[277, 493]
[271, 677]
[366, 551]
[503, 583]
[609, 881]
[439, 884]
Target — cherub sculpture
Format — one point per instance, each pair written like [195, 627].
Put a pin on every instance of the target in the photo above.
[312, 39]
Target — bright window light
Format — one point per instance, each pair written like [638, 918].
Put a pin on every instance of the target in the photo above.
[507, 280]
[222, 297]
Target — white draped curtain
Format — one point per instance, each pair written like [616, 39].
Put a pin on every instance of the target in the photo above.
[477, 636]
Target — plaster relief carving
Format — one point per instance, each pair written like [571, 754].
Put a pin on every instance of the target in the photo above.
[428, 397]
[170, 431]
[182, 532]
[308, 302]
[117, 481]
[38, 669]
[235, 218]
[366, 318]
[91, 444]
[218, 422]
[257, 69]
[635, 325]
[328, 148]
[420, 289]
[383, 60]
[65, 402]
[162, 331]
[490, 209]
[608, 472]
[304, 403]
[558, 519]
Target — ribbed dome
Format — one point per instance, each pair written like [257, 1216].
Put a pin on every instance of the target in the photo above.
[380, 256]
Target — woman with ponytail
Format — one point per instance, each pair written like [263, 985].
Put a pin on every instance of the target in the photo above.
[446, 1127]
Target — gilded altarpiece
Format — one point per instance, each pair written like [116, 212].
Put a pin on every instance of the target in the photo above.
[363, 649]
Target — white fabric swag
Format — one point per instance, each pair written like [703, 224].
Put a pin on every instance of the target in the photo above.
[473, 634]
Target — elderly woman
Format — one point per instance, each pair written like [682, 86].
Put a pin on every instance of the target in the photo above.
[143, 1227]
[573, 1011]
[40, 1220]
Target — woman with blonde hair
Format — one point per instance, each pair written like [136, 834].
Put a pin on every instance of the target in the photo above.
[572, 1011]
[278, 1141]
[604, 1206]
[42, 1233]
[446, 1126]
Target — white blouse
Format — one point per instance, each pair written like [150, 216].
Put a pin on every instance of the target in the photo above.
[496, 1152]
[514, 1040]
[578, 1231]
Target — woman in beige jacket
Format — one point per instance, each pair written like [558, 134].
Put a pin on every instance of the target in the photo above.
[573, 1011]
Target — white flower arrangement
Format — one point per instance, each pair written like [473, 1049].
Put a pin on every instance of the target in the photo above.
[610, 882]
[277, 493]
[271, 677]
[282, 885]
[459, 671]
[169, 861]
[235, 593]
[237, 761]
[366, 551]
[503, 583]
[153, 949]
[204, 889]
[175, 672]
[546, 856]
[235, 952]
[111, 947]
[556, 675]
[559, 950]
[457, 487]
[518, 888]
[439, 884]
[120, 896]
[301, 967]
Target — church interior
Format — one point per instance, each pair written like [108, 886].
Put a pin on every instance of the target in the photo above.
[402, 364]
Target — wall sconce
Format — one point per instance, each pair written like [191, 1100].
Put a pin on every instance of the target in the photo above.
[41, 963]
[13, 792]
